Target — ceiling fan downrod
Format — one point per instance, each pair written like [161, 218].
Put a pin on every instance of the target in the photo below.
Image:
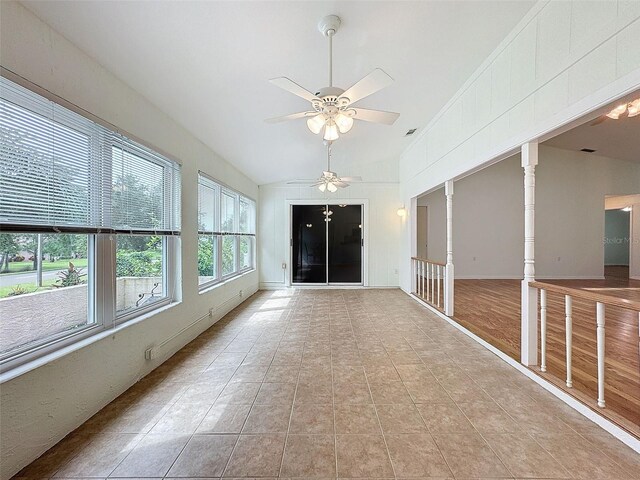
[328, 26]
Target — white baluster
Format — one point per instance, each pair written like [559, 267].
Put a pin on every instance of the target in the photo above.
[427, 281]
[438, 298]
[413, 276]
[433, 279]
[422, 279]
[600, 343]
[568, 327]
[543, 329]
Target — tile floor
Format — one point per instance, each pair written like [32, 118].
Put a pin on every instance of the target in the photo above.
[340, 383]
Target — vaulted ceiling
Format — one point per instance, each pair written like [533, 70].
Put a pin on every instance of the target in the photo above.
[206, 64]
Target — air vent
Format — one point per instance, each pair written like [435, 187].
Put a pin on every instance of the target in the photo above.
[587, 150]
[410, 132]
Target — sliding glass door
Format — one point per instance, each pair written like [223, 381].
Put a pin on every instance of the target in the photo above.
[327, 244]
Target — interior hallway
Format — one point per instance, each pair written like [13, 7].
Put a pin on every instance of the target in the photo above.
[290, 378]
[491, 309]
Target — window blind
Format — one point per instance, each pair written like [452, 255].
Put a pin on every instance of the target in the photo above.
[62, 172]
[222, 211]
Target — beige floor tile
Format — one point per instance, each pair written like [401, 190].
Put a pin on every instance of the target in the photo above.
[381, 374]
[203, 393]
[352, 393]
[414, 373]
[356, 419]
[400, 419]
[56, 457]
[308, 456]
[101, 456]
[268, 419]
[312, 419]
[389, 393]
[276, 394]
[152, 456]
[427, 391]
[282, 374]
[239, 393]
[256, 456]
[204, 456]
[416, 455]
[577, 455]
[469, 456]
[250, 373]
[522, 455]
[616, 450]
[444, 418]
[488, 417]
[348, 374]
[361, 456]
[181, 418]
[224, 419]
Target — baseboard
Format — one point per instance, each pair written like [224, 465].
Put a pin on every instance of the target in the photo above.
[519, 277]
[606, 424]
[282, 286]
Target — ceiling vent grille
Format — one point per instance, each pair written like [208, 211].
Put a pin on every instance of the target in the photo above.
[410, 132]
[587, 150]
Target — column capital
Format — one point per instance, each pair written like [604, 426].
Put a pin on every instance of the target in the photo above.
[448, 187]
[530, 154]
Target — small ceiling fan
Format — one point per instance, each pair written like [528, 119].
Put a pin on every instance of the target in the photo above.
[328, 181]
[332, 107]
[628, 109]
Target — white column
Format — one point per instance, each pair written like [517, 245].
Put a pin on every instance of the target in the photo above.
[449, 273]
[529, 311]
[600, 349]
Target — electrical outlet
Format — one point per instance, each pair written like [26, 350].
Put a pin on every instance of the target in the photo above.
[284, 266]
[151, 353]
[474, 259]
[558, 258]
[395, 270]
[241, 293]
[211, 312]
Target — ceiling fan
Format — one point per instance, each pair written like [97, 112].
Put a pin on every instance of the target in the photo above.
[332, 107]
[328, 181]
[631, 109]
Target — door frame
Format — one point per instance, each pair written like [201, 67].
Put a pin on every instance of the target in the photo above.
[365, 237]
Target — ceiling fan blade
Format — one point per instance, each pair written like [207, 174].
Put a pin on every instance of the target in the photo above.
[291, 86]
[302, 182]
[351, 179]
[598, 121]
[375, 116]
[376, 80]
[291, 116]
[341, 184]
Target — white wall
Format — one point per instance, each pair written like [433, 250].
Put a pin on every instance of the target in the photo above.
[40, 407]
[380, 188]
[562, 60]
[488, 216]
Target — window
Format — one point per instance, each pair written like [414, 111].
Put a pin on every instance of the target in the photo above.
[226, 224]
[74, 194]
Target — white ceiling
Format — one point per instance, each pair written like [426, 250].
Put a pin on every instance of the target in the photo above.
[611, 138]
[206, 64]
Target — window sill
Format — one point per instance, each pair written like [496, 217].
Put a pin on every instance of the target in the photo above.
[47, 358]
[209, 288]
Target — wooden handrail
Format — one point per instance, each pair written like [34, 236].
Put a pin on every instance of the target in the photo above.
[429, 261]
[588, 295]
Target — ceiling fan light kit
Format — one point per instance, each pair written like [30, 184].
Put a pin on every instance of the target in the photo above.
[332, 112]
[632, 109]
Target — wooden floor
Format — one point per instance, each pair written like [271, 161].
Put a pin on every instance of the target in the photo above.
[491, 309]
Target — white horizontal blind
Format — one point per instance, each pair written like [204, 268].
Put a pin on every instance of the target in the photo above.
[223, 211]
[60, 171]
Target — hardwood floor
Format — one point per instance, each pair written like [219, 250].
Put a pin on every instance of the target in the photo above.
[491, 309]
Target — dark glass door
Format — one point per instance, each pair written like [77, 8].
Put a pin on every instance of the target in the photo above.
[309, 244]
[345, 243]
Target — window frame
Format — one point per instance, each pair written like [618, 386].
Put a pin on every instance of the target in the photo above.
[101, 244]
[222, 189]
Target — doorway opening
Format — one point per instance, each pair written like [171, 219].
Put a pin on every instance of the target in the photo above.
[327, 244]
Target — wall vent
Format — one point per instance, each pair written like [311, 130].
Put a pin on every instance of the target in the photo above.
[410, 132]
[588, 150]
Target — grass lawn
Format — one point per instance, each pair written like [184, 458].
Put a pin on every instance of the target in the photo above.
[29, 287]
[47, 266]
